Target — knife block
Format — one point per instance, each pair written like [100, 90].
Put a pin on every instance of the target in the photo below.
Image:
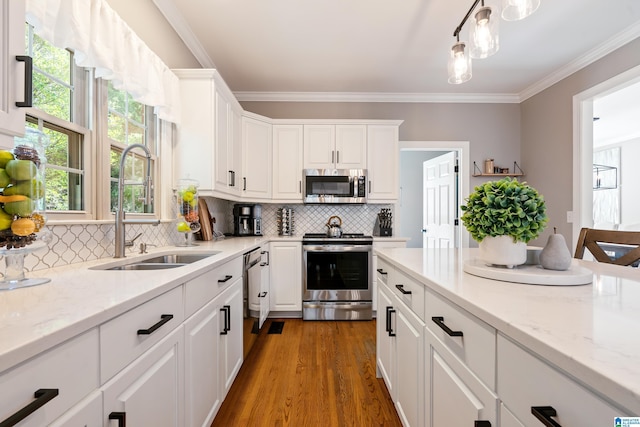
[379, 230]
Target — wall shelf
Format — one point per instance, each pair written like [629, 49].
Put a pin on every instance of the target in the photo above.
[517, 171]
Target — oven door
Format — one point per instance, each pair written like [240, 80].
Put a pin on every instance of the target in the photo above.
[337, 272]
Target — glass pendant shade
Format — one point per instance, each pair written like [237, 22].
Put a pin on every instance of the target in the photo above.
[483, 34]
[514, 10]
[459, 64]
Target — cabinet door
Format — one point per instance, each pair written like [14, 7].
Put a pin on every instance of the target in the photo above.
[230, 327]
[235, 152]
[287, 162]
[87, 413]
[382, 163]
[410, 367]
[12, 118]
[222, 119]
[319, 146]
[150, 391]
[351, 146]
[256, 166]
[286, 276]
[202, 380]
[385, 341]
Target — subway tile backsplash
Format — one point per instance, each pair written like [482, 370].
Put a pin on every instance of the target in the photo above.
[86, 242]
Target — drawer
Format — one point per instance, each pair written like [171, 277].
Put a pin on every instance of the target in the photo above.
[72, 369]
[476, 347]
[129, 335]
[207, 286]
[408, 290]
[525, 381]
[382, 269]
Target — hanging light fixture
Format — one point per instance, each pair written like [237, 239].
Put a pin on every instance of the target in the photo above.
[459, 65]
[483, 35]
[515, 10]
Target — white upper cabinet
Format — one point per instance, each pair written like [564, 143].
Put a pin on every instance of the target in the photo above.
[257, 158]
[287, 162]
[335, 146]
[12, 71]
[382, 161]
[208, 144]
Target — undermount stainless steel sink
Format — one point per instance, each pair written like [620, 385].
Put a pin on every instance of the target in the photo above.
[159, 262]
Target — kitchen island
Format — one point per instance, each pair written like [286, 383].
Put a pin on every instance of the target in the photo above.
[588, 333]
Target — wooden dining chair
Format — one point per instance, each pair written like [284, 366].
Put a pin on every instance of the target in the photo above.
[624, 246]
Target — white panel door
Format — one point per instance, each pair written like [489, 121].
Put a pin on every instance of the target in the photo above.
[439, 198]
[256, 152]
[287, 162]
[319, 146]
[351, 147]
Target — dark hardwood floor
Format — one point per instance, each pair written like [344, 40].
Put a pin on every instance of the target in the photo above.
[316, 373]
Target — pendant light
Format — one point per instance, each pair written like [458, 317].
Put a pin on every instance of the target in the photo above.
[515, 10]
[483, 34]
[459, 64]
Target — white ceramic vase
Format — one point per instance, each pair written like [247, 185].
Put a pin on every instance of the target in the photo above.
[501, 250]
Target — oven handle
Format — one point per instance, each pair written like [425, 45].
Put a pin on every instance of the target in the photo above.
[336, 248]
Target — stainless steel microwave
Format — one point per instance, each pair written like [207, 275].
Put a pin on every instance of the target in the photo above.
[335, 185]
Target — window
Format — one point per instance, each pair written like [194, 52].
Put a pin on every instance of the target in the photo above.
[128, 123]
[59, 110]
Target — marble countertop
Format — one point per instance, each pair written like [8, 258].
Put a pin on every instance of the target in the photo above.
[591, 331]
[34, 319]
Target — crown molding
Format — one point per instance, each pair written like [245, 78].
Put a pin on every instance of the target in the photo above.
[176, 20]
[631, 33]
[481, 98]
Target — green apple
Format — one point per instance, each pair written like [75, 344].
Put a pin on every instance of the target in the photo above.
[5, 156]
[33, 188]
[5, 220]
[4, 178]
[22, 208]
[21, 170]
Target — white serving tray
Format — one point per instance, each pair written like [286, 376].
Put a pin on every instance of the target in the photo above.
[530, 274]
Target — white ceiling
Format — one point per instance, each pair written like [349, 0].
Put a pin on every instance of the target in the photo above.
[396, 49]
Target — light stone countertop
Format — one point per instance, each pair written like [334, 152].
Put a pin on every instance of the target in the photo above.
[34, 319]
[592, 332]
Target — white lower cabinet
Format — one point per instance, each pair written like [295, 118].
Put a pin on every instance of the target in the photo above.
[87, 413]
[286, 276]
[150, 391]
[528, 386]
[454, 395]
[230, 355]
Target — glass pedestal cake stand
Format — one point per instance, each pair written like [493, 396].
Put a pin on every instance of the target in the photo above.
[14, 276]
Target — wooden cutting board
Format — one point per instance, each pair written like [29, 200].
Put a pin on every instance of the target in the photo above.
[205, 220]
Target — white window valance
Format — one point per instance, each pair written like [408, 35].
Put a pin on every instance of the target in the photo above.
[102, 40]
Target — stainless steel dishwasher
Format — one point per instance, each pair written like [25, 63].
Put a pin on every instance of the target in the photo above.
[251, 278]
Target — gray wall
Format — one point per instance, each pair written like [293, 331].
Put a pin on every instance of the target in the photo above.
[547, 134]
[410, 207]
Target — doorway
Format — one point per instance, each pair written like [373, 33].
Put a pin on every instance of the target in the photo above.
[410, 209]
[585, 108]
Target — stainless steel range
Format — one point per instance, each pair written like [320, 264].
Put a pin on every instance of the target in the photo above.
[337, 277]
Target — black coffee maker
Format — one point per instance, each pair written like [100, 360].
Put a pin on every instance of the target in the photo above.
[247, 220]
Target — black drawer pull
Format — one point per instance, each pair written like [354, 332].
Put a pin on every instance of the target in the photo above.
[120, 416]
[226, 309]
[544, 414]
[262, 295]
[401, 289]
[28, 81]
[439, 320]
[381, 271]
[481, 423]
[389, 326]
[226, 279]
[163, 319]
[42, 396]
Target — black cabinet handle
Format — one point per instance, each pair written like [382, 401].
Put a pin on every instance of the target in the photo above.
[389, 326]
[28, 81]
[226, 309]
[262, 295]
[544, 414]
[42, 396]
[381, 271]
[401, 289]
[120, 416]
[439, 320]
[226, 278]
[163, 319]
[231, 179]
[481, 423]
[244, 183]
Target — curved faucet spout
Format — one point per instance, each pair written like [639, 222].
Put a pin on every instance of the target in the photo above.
[120, 214]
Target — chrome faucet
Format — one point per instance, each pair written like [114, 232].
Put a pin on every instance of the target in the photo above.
[120, 242]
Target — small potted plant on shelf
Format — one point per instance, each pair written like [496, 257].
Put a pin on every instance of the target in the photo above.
[503, 216]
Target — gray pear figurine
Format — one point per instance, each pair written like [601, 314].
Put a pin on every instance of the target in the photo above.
[555, 255]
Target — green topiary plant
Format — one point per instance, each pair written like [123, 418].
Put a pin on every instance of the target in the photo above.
[505, 208]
